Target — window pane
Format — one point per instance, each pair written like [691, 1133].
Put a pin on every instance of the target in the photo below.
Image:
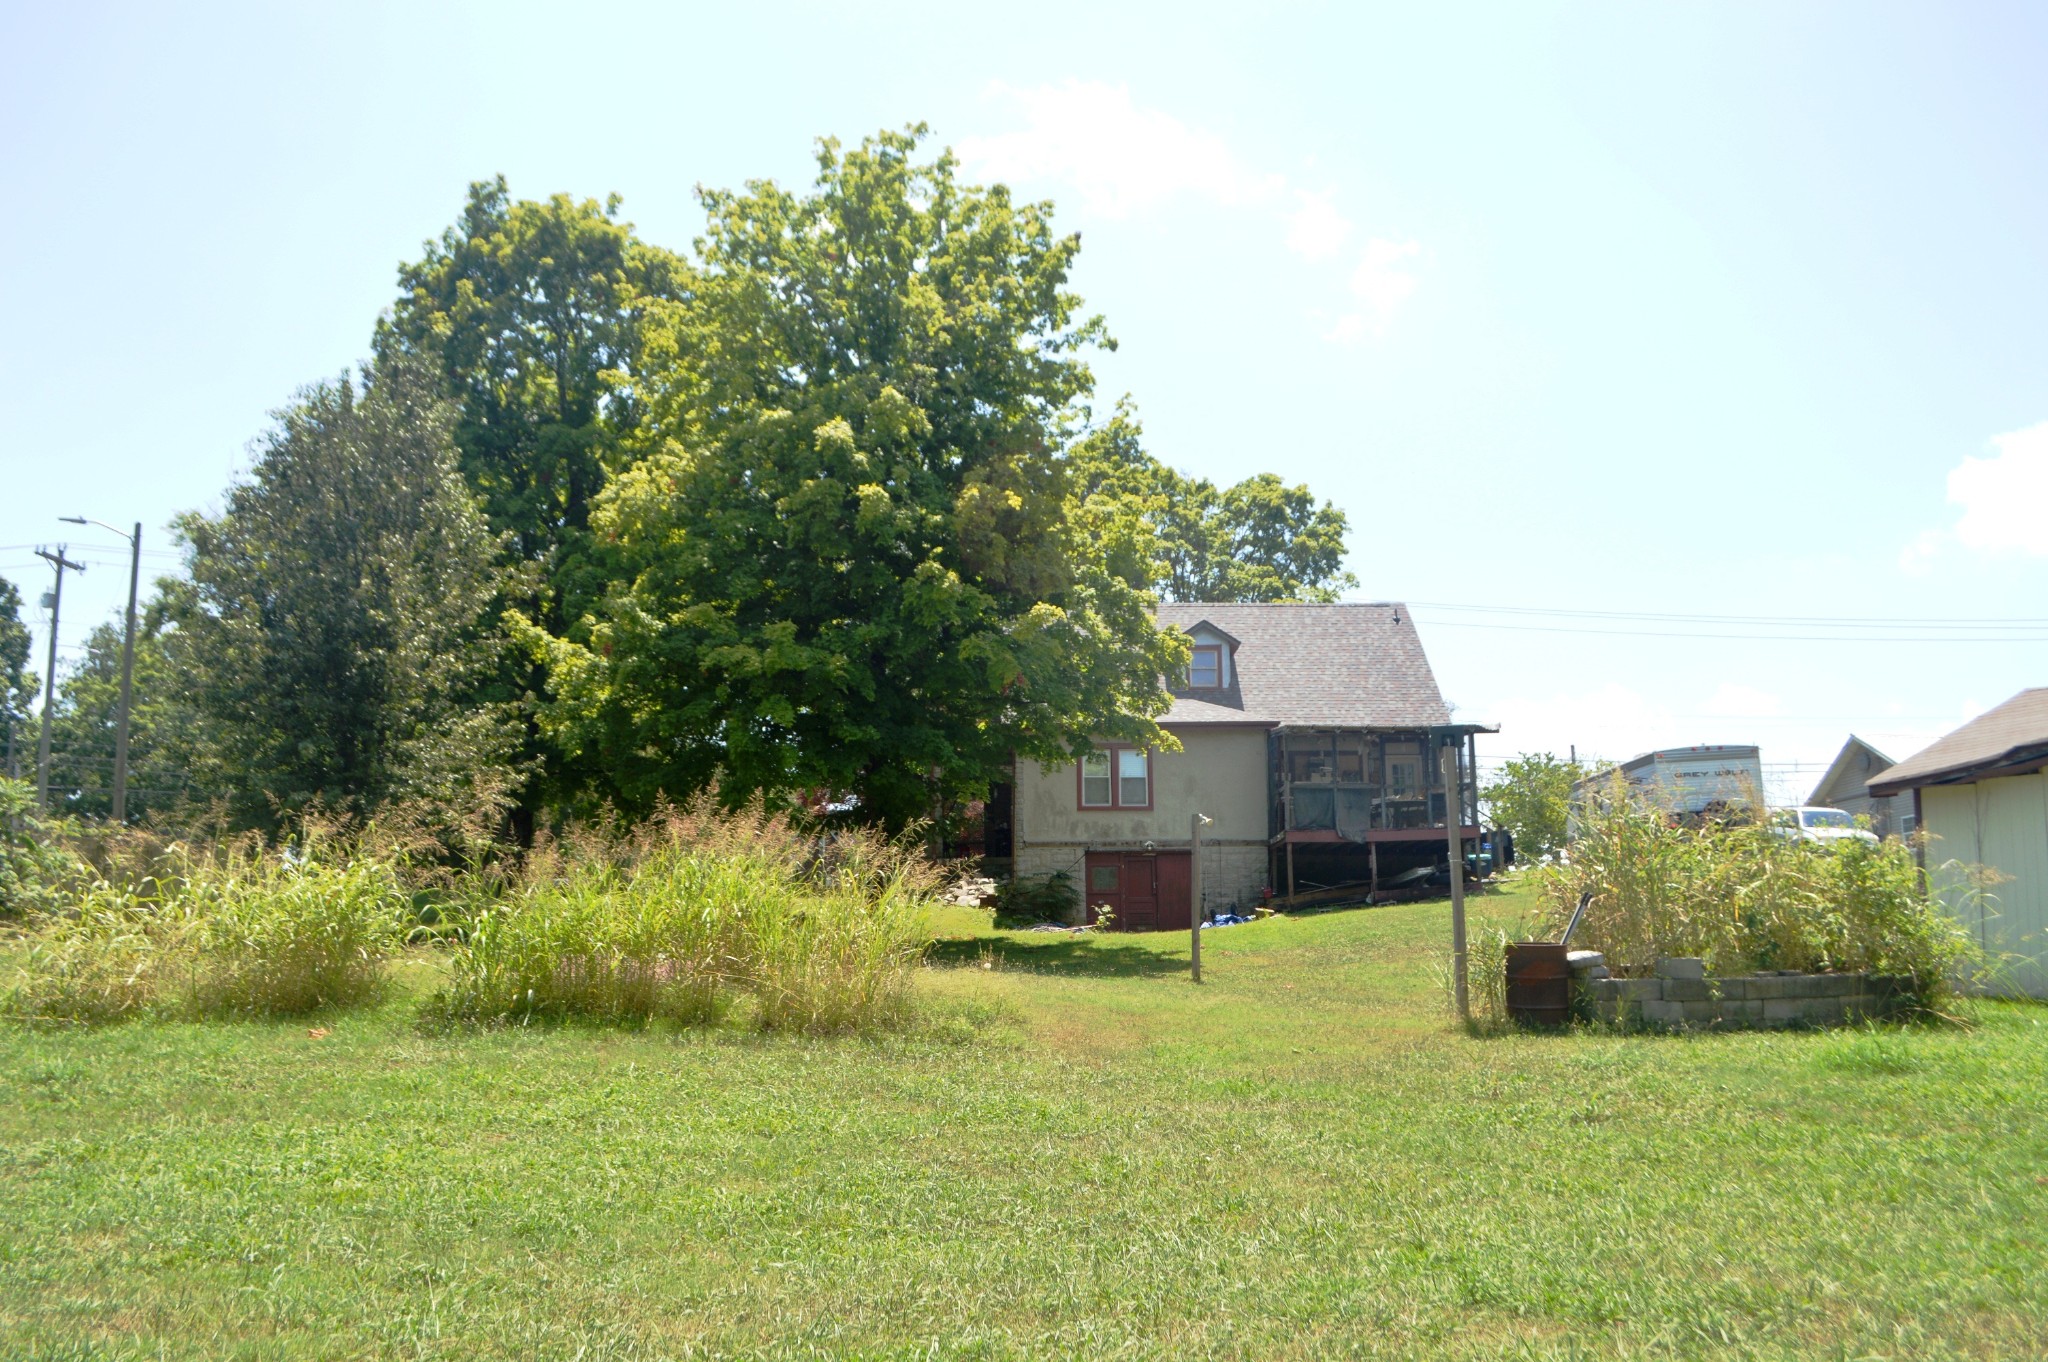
[1095, 780]
[1102, 879]
[1207, 668]
[1133, 781]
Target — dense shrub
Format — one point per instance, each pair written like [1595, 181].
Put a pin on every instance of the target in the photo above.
[693, 914]
[33, 863]
[218, 932]
[1743, 896]
[1029, 899]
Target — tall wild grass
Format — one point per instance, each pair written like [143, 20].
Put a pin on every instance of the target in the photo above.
[692, 915]
[1745, 897]
[222, 930]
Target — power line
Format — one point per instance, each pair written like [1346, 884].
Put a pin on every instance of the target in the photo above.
[1771, 638]
[1843, 621]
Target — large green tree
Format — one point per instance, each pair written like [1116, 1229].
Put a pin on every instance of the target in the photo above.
[847, 555]
[535, 313]
[336, 613]
[171, 767]
[17, 682]
[1257, 540]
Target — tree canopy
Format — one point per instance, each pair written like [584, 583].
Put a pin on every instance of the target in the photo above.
[17, 682]
[1257, 540]
[818, 509]
[334, 616]
[170, 767]
[1531, 798]
[849, 565]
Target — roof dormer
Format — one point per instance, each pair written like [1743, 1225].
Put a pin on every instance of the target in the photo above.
[1212, 662]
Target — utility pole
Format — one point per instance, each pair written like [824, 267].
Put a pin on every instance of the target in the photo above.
[1454, 815]
[1196, 822]
[60, 562]
[127, 663]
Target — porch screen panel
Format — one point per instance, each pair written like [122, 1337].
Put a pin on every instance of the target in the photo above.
[1315, 807]
[1354, 813]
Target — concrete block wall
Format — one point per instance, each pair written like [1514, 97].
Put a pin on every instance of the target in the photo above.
[1681, 996]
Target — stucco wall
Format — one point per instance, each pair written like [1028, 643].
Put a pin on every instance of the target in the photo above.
[1218, 771]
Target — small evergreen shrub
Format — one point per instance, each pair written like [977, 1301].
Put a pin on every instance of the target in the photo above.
[1026, 900]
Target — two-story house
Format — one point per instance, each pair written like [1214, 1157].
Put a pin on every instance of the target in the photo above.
[1309, 734]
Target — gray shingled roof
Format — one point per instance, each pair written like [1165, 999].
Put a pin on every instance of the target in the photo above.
[1999, 737]
[1341, 665]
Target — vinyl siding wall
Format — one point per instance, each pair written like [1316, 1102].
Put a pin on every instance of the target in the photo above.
[2002, 824]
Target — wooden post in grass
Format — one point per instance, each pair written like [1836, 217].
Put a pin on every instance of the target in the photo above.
[1195, 824]
[1454, 818]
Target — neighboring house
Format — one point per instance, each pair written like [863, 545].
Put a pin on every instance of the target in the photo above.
[1982, 794]
[1308, 733]
[1846, 786]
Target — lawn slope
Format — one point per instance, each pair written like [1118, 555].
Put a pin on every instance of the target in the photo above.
[1078, 1154]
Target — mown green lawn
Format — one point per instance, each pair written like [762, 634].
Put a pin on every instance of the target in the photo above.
[1080, 1155]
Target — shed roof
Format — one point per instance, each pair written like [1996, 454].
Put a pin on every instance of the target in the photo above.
[1339, 665]
[1846, 774]
[2014, 735]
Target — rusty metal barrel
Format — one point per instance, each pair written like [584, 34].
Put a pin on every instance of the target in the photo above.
[1539, 983]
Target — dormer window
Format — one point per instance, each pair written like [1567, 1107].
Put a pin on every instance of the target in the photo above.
[1205, 667]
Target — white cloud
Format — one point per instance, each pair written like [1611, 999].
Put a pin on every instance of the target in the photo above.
[1121, 157]
[2001, 499]
[1382, 283]
[1316, 230]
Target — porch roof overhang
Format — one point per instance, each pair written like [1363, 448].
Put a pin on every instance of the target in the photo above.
[1440, 732]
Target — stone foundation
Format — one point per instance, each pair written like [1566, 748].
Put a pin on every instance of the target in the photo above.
[1682, 995]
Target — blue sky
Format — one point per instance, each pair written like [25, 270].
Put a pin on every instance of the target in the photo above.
[1679, 310]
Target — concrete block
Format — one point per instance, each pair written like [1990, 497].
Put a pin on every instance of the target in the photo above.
[1638, 990]
[1741, 1012]
[1733, 985]
[1786, 1011]
[1600, 991]
[1704, 1012]
[1597, 972]
[1687, 991]
[1835, 985]
[1657, 1012]
[1776, 986]
[1582, 962]
[1681, 967]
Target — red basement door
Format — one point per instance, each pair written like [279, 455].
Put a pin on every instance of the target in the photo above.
[1148, 891]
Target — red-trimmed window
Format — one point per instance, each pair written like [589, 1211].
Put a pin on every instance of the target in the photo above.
[1115, 778]
[1205, 667]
